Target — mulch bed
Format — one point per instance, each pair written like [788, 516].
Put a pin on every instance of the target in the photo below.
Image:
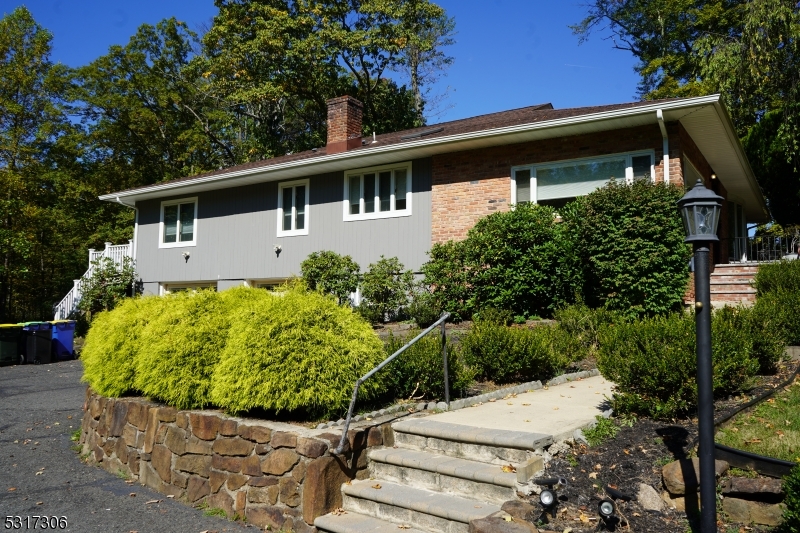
[635, 456]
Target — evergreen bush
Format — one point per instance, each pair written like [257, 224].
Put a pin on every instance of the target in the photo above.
[653, 361]
[772, 323]
[791, 515]
[297, 352]
[584, 324]
[519, 260]
[385, 290]
[781, 276]
[423, 308]
[332, 274]
[503, 354]
[419, 371]
[630, 240]
[180, 347]
[113, 343]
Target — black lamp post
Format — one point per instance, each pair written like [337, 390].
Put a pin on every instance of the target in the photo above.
[700, 209]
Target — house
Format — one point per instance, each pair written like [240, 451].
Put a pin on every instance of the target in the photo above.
[398, 193]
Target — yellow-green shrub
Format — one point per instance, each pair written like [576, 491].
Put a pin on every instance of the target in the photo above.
[297, 351]
[181, 346]
[114, 341]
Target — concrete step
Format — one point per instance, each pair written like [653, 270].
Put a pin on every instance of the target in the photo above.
[495, 446]
[419, 469]
[358, 523]
[423, 509]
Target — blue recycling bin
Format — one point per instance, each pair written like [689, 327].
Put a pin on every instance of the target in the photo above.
[37, 337]
[63, 340]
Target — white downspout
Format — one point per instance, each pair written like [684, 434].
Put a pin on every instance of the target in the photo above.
[665, 145]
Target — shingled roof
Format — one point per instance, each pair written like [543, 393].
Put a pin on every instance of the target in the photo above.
[480, 123]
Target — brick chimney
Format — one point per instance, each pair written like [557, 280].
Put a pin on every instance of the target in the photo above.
[344, 124]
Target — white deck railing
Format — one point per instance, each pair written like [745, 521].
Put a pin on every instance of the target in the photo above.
[69, 304]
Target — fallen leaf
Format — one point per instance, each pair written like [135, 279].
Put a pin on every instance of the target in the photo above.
[507, 518]
[12, 489]
[593, 475]
[510, 403]
[69, 417]
[555, 408]
[509, 469]
[39, 473]
[170, 496]
[132, 494]
[148, 502]
[598, 466]
[339, 511]
[626, 452]
[527, 404]
[403, 526]
[567, 530]
[376, 486]
[39, 503]
[526, 420]
[477, 507]
[583, 518]
[348, 482]
[492, 399]
[636, 514]
[572, 386]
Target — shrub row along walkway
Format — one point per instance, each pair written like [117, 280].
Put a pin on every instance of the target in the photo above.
[40, 408]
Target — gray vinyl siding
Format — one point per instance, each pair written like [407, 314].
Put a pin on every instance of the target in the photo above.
[237, 229]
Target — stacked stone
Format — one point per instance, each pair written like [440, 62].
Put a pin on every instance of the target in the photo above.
[256, 470]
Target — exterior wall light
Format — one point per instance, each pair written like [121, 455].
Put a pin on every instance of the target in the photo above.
[700, 209]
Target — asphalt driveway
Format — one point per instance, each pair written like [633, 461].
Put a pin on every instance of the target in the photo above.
[41, 475]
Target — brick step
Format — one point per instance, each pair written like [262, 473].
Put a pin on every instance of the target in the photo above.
[732, 276]
[723, 287]
[423, 509]
[419, 469]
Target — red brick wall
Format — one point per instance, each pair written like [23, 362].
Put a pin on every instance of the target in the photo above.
[344, 124]
[470, 185]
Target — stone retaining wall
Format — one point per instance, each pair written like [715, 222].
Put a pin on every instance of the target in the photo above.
[270, 473]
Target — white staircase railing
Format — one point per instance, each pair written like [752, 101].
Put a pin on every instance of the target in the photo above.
[69, 304]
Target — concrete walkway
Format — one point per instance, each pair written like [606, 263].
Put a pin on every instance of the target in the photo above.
[556, 411]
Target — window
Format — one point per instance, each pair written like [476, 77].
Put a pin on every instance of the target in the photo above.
[178, 223]
[379, 192]
[293, 208]
[172, 288]
[557, 184]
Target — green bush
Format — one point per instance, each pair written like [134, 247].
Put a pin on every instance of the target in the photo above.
[180, 347]
[107, 286]
[385, 289]
[791, 515]
[630, 243]
[782, 276]
[423, 308]
[296, 352]
[505, 354]
[331, 273]
[584, 324]
[419, 371]
[517, 260]
[772, 323]
[653, 361]
[114, 341]
[448, 274]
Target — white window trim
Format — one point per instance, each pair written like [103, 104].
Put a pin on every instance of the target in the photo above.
[177, 244]
[167, 288]
[254, 283]
[392, 213]
[567, 162]
[294, 232]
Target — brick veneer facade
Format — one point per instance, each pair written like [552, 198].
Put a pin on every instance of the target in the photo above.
[470, 185]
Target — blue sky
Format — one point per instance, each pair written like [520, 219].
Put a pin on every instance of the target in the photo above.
[509, 53]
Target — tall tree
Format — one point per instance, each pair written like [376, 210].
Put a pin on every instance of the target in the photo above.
[662, 34]
[31, 117]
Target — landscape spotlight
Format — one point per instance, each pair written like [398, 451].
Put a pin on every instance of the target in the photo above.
[547, 498]
[606, 509]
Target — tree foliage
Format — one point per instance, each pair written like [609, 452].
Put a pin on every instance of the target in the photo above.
[170, 103]
[331, 273]
[107, 285]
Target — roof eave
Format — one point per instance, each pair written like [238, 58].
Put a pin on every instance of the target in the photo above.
[447, 143]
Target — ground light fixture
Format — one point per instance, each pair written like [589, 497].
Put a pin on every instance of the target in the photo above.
[606, 509]
[549, 497]
[700, 210]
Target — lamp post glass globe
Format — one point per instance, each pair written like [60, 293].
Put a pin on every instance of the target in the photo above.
[700, 209]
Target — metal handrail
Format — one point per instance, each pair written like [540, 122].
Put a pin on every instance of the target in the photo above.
[442, 319]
